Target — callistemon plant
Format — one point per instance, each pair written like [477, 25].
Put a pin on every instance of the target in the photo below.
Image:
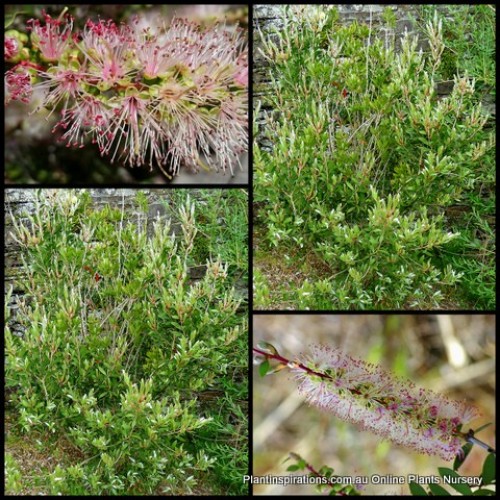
[167, 98]
[375, 400]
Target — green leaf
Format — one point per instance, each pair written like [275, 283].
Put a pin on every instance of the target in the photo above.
[293, 456]
[438, 490]
[326, 471]
[444, 471]
[482, 428]
[11, 18]
[462, 488]
[293, 468]
[278, 368]
[417, 490]
[489, 472]
[459, 460]
[264, 368]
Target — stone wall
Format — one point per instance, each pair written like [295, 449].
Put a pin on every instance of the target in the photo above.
[18, 201]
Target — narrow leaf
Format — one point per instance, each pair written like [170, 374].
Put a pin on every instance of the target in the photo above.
[438, 491]
[278, 368]
[417, 490]
[482, 428]
[462, 488]
[11, 18]
[267, 347]
[489, 471]
[460, 459]
[264, 368]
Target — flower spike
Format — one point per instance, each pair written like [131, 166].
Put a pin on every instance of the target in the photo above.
[366, 395]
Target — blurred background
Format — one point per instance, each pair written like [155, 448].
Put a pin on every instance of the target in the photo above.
[449, 354]
[32, 153]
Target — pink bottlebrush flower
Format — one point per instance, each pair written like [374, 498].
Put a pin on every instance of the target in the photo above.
[132, 131]
[107, 49]
[89, 116]
[230, 141]
[366, 395]
[241, 78]
[152, 58]
[60, 84]
[18, 85]
[173, 98]
[11, 48]
[54, 38]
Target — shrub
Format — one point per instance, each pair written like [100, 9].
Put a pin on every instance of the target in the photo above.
[367, 161]
[121, 341]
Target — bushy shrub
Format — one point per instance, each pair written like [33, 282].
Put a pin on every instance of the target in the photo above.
[121, 341]
[367, 158]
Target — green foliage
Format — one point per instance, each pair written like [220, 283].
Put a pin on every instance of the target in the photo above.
[121, 342]
[13, 476]
[488, 478]
[326, 474]
[261, 290]
[222, 225]
[367, 163]
[470, 41]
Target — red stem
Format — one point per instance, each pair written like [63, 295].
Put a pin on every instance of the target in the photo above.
[285, 361]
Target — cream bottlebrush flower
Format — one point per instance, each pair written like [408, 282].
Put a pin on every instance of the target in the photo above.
[370, 397]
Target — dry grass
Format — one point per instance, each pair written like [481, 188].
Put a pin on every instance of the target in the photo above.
[36, 456]
[285, 273]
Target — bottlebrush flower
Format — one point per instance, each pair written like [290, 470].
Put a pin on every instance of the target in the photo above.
[14, 50]
[241, 78]
[366, 395]
[53, 39]
[162, 99]
[88, 115]
[10, 48]
[108, 49]
[18, 85]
